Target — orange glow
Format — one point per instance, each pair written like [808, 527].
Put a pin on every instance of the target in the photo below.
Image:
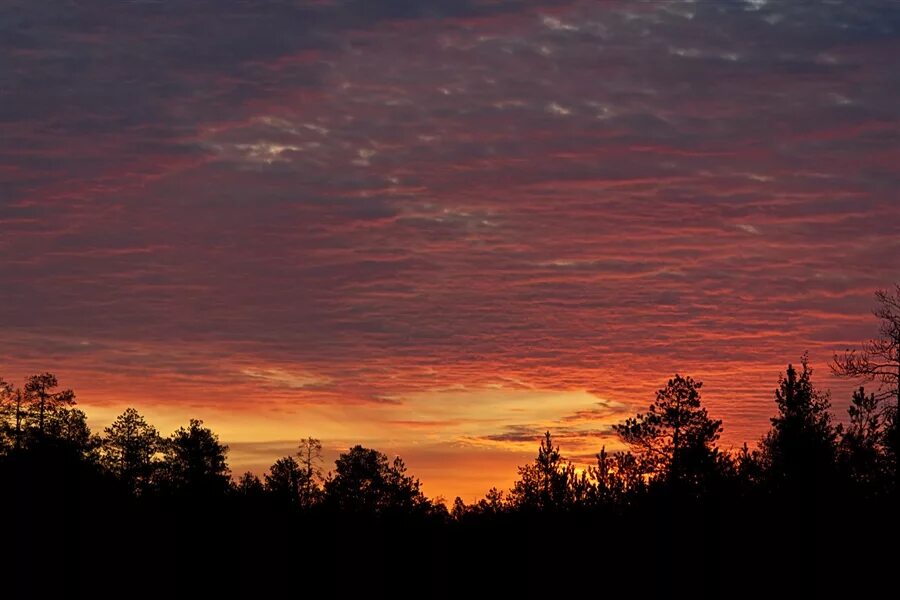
[441, 237]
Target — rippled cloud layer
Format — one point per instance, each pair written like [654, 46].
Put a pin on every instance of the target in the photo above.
[441, 227]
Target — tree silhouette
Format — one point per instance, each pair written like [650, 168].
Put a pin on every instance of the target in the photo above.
[544, 484]
[42, 401]
[309, 453]
[290, 483]
[861, 442]
[37, 413]
[493, 503]
[195, 462]
[748, 467]
[459, 510]
[879, 360]
[128, 450]
[68, 427]
[365, 481]
[617, 475]
[799, 450]
[11, 414]
[249, 486]
[675, 437]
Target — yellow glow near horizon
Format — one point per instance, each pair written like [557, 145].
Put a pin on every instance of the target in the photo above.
[448, 438]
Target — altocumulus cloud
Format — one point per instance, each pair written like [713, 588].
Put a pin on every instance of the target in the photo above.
[306, 207]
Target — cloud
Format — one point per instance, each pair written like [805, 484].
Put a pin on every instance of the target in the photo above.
[288, 379]
[751, 229]
[338, 211]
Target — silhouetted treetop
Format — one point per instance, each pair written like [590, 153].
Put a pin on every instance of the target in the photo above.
[249, 486]
[40, 415]
[879, 360]
[675, 438]
[129, 447]
[43, 401]
[863, 440]
[366, 481]
[195, 462]
[800, 448]
[617, 476]
[11, 415]
[288, 482]
[545, 483]
[309, 454]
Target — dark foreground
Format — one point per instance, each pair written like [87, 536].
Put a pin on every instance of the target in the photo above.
[70, 541]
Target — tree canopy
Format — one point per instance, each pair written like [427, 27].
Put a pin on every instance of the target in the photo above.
[195, 462]
[129, 448]
[675, 438]
[879, 361]
[366, 480]
[799, 450]
[545, 484]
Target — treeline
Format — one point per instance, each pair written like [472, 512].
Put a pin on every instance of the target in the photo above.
[673, 449]
[809, 495]
[42, 430]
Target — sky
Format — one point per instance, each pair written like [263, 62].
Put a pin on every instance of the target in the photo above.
[439, 228]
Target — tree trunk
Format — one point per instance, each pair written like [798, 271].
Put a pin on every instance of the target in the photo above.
[18, 419]
[676, 476]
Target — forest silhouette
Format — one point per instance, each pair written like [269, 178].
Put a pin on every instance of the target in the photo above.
[809, 508]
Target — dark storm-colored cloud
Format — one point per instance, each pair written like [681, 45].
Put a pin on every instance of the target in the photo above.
[337, 203]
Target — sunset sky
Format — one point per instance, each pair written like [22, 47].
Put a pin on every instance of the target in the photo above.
[441, 227]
